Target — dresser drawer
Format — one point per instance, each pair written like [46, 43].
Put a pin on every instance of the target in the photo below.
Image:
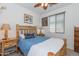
[76, 29]
[76, 48]
[76, 44]
[8, 43]
[76, 35]
[76, 39]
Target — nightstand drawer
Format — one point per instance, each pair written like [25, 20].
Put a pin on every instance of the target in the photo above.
[9, 43]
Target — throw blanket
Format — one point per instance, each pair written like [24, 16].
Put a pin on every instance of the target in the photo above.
[51, 45]
[26, 44]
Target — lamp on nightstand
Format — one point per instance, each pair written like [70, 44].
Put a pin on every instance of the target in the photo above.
[41, 33]
[40, 28]
[5, 27]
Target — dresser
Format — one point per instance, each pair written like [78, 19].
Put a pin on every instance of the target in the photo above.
[76, 39]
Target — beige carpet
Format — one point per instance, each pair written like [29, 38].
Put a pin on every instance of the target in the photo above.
[69, 53]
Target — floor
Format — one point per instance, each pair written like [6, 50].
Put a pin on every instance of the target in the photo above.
[69, 53]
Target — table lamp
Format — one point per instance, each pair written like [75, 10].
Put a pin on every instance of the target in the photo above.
[40, 28]
[5, 27]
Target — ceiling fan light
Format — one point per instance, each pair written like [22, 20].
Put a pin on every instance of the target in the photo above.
[42, 4]
[46, 4]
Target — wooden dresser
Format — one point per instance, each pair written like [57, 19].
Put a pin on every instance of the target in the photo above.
[76, 39]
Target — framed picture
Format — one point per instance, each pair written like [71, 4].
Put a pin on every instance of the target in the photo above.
[45, 21]
[28, 19]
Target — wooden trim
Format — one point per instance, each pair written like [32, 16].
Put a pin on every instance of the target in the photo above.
[61, 52]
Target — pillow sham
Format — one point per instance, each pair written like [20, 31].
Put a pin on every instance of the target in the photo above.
[21, 36]
[29, 35]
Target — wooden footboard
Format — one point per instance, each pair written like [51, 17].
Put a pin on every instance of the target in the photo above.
[61, 52]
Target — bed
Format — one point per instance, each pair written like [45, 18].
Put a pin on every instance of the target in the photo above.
[29, 46]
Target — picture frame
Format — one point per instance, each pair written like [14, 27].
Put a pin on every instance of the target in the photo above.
[28, 19]
[45, 21]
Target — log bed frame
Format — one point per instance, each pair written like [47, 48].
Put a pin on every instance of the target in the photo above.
[33, 29]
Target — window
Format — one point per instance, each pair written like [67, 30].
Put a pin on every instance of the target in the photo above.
[60, 23]
[57, 23]
[52, 23]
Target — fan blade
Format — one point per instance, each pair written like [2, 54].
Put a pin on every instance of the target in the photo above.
[51, 4]
[45, 7]
[37, 5]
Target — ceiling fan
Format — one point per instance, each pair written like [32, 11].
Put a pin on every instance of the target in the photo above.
[44, 5]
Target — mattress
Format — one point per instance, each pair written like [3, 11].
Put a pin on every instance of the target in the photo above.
[51, 45]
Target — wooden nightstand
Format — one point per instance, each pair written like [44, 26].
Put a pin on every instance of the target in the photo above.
[7, 44]
[0, 47]
[41, 34]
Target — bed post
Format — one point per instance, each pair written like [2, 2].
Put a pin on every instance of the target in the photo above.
[17, 37]
[65, 46]
[62, 51]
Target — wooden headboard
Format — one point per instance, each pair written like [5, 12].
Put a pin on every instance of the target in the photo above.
[25, 29]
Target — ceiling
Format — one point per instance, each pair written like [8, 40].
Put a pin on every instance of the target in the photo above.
[30, 6]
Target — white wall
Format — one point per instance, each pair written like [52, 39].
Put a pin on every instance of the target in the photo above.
[14, 14]
[71, 20]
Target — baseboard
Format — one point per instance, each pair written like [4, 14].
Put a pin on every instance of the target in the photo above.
[70, 49]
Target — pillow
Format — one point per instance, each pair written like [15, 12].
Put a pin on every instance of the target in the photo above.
[29, 35]
[22, 36]
[32, 35]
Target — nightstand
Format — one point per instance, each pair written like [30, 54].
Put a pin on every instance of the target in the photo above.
[41, 34]
[8, 44]
[0, 47]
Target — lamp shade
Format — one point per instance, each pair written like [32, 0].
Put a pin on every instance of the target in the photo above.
[5, 27]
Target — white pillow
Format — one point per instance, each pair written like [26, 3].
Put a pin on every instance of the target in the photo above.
[22, 36]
